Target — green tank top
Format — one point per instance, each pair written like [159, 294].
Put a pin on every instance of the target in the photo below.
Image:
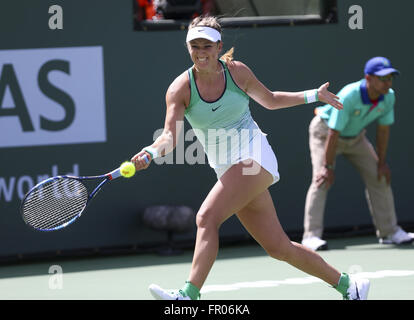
[219, 124]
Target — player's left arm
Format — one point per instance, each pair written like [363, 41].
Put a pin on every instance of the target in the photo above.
[248, 82]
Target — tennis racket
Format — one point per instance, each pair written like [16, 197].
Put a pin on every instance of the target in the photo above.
[58, 201]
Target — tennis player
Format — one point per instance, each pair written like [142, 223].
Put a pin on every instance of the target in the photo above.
[214, 94]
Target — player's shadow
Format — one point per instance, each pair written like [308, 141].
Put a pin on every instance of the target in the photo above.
[118, 258]
[129, 257]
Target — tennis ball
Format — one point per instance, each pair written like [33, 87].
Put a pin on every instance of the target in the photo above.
[127, 169]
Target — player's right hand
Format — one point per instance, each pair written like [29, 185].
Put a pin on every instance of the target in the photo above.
[139, 161]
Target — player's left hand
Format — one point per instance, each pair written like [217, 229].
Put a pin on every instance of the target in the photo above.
[328, 97]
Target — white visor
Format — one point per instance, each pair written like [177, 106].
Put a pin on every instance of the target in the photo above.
[203, 32]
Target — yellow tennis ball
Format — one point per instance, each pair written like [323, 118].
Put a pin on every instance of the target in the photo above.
[127, 169]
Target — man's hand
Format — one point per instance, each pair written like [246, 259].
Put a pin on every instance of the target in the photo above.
[325, 178]
[384, 170]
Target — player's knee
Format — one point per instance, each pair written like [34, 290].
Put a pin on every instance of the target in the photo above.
[206, 219]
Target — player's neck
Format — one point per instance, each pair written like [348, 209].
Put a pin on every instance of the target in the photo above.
[209, 74]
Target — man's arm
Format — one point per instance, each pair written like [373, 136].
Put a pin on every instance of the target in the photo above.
[383, 134]
[327, 173]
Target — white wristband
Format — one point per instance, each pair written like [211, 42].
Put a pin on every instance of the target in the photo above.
[311, 96]
[152, 151]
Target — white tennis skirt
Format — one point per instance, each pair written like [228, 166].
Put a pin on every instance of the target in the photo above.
[259, 150]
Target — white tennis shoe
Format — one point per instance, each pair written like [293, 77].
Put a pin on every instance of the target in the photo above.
[399, 237]
[314, 243]
[160, 294]
[358, 289]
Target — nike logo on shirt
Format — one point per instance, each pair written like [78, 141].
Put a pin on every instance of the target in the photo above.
[214, 109]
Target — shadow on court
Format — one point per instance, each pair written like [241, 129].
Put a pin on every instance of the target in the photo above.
[107, 261]
[365, 243]
[247, 249]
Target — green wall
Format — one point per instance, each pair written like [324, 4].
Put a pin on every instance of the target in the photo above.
[137, 69]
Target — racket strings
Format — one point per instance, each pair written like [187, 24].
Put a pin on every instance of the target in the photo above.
[55, 203]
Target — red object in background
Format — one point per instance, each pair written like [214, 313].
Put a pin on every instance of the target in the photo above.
[146, 10]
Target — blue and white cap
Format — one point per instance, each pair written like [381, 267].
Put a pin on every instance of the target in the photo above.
[379, 66]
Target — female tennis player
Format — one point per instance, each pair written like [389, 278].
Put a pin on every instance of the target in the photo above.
[214, 95]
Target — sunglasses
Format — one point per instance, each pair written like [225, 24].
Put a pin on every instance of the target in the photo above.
[388, 77]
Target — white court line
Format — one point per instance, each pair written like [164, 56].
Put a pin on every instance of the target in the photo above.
[301, 281]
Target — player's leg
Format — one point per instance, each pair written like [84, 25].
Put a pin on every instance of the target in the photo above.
[260, 220]
[232, 192]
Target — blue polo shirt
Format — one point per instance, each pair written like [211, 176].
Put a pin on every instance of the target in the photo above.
[359, 111]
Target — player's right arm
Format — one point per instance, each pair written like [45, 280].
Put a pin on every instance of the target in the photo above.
[177, 98]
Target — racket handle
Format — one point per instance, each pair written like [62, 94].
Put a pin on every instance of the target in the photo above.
[114, 174]
[145, 157]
